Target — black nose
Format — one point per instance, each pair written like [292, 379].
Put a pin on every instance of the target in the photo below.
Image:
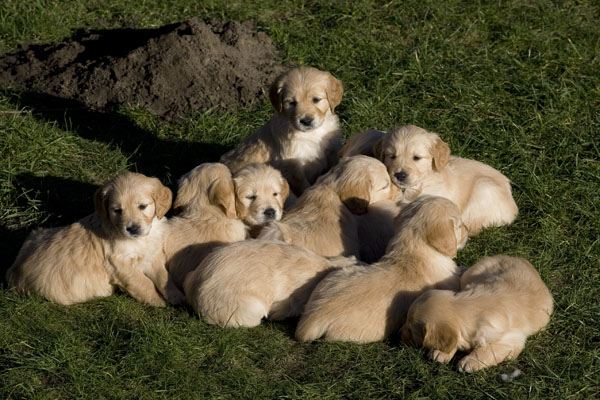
[269, 213]
[306, 121]
[401, 176]
[133, 229]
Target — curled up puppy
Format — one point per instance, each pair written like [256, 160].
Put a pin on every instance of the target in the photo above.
[502, 301]
[118, 246]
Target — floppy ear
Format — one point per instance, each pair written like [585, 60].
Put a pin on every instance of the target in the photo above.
[221, 194]
[285, 190]
[275, 93]
[334, 91]
[101, 203]
[440, 235]
[441, 154]
[440, 336]
[378, 150]
[162, 198]
[356, 195]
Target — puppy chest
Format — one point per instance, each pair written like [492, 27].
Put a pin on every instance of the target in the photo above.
[303, 149]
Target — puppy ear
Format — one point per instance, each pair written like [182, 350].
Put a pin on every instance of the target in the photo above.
[440, 235]
[441, 154]
[440, 336]
[378, 150]
[356, 195]
[334, 91]
[285, 191]
[163, 197]
[221, 194]
[101, 203]
[276, 91]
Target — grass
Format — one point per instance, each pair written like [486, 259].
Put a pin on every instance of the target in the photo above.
[514, 84]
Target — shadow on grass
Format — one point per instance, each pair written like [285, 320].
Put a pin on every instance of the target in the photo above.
[149, 154]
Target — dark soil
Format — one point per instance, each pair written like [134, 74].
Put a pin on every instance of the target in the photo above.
[171, 71]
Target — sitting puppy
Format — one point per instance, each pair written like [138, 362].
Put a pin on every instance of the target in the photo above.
[367, 304]
[502, 301]
[117, 246]
[322, 220]
[207, 218]
[419, 162]
[302, 138]
[239, 284]
[260, 193]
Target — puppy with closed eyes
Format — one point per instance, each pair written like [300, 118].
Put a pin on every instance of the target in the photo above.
[419, 162]
[322, 220]
[502, 301]
[207, 217]
[242, 283]
[367, 304]
[260, 194]
[118, 246]
[302, 138]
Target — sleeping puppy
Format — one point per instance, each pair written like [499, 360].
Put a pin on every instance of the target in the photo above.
[260, 194]
[367, 304]
[117, 246]
[419, 162]
[239, 284]
[502, 301]
[322, 220]
[207, 217]
[302, 138]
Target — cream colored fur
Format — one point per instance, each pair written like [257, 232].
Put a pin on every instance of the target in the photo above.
[367, 304]
[120, 245]
[322, 220]
[242, 283]
[302, 138]
[419, 162]
[502, 301]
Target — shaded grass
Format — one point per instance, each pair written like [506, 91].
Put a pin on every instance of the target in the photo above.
[513, 84]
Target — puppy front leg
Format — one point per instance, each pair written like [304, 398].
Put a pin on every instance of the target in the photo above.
[441, 356]
[134, 282]
[164, 283]
[491, 354]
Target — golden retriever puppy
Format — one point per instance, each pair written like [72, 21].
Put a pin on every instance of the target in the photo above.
[207, 217]
[502, 301]
[302, 138]
[239, 284]
[120, 245]
[419, 162]
[322, 220]
[260, 194]
[367, 304]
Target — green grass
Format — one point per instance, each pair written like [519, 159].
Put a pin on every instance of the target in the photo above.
[514, 84]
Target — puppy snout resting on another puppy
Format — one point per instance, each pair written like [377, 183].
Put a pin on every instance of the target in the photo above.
[120, 245]
[502, 301]
[366, 304]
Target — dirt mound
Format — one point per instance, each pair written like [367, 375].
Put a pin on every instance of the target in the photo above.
[170, 71]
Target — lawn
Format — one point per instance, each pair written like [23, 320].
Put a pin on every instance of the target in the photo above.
[515, 84]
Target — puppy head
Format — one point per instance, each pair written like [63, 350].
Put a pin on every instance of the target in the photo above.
[432, 322]
[260, 192]
[130, 201]
[435, 221]
[305, 96]
[410, 154]
[359, 181]
[207, 184]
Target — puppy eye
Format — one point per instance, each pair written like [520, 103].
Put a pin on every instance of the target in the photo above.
[416, 158]
[291, 103]
[275, 194]
[117, 211]
[142, 206]
[316, 100]
[251, 197]
[392, 156]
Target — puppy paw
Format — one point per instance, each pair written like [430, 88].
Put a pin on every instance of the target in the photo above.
[470, 364]
[440, 356]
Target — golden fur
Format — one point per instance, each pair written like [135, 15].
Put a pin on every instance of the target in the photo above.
[502, 301]
[117, 246]
[207, 218]
[302, 138]
[366, 304]
[322, 220]
[419, 162]
[260, 194]
[242, 283]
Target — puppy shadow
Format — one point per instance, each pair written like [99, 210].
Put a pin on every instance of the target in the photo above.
[150, 155]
